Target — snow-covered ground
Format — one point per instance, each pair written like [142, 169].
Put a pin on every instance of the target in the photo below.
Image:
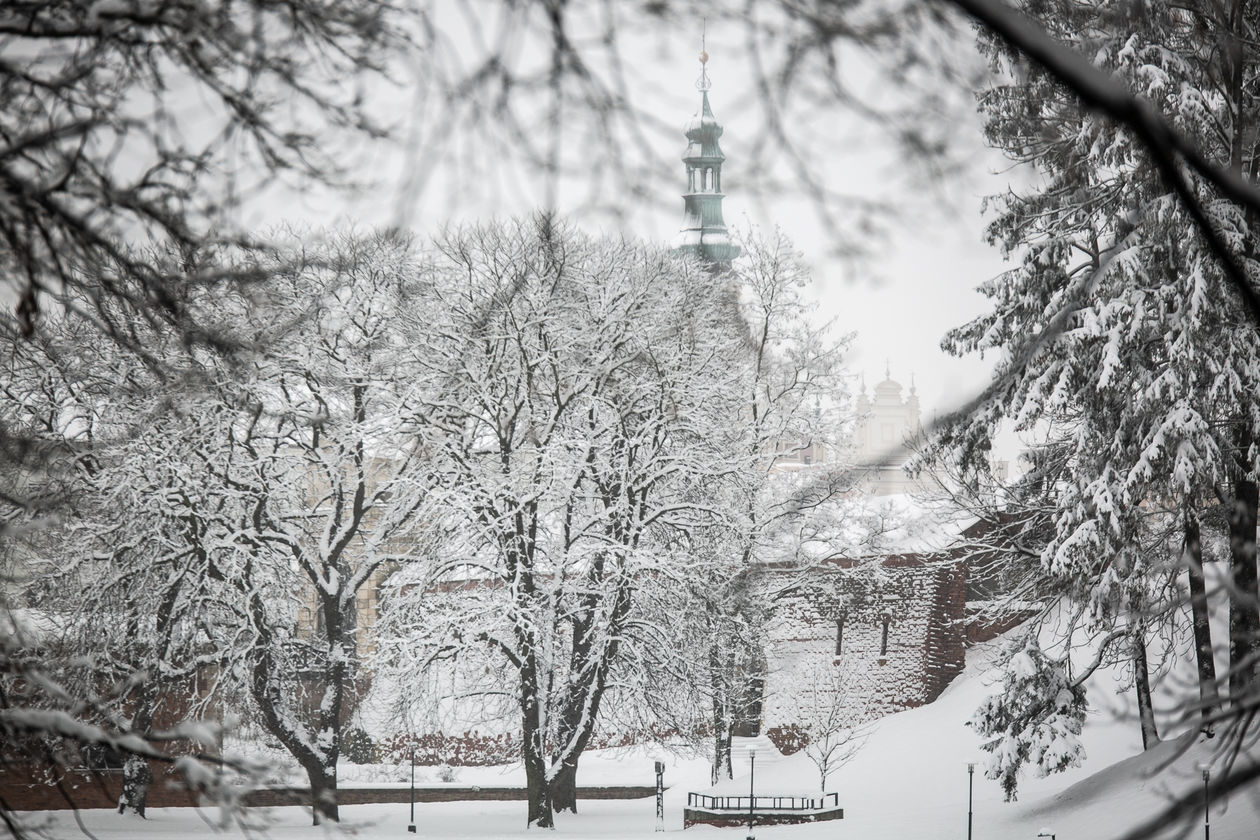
[909, 782]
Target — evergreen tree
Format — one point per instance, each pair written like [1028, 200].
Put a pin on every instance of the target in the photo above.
[1124, 344]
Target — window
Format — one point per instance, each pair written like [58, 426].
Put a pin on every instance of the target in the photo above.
[839, 634]
[883, 641]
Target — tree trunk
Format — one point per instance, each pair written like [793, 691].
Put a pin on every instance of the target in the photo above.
[721, 739]
[591, 659]
[1142, 682]
[338, 666]
[533, 747]
[137, 777]
[563, 782]
[137, 772]
[564, 787]
[1244, 614]
[541, 814]
[323, 782]
[275, 710]
[1193, 559]
[723, 718]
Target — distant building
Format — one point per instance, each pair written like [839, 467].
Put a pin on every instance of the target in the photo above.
[886, 432]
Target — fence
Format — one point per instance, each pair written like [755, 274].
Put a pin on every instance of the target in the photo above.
[742, 804]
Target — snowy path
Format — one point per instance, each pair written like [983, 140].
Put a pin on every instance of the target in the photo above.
[909, 782]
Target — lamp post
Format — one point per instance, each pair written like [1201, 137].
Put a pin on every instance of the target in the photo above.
[752, 775]
[412, 826]
[660, 796]
[1045, 832]
[971, 776]
[1207, 814]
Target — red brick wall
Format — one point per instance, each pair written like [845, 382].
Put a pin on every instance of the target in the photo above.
[924, 601]
[84, 789]
[983, 628]
[31, 789]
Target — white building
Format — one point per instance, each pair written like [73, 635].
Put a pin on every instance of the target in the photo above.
[887, 430]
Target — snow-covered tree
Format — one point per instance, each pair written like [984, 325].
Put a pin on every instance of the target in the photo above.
[328, 487]
[231, 530]
[114, 667]
[106, 173]
[1125, 345]
[832, 718]
[579, 391]
[794, 422]
[785, 508]
[1036, 717]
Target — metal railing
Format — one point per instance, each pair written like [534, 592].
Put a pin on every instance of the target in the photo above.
[705, 802]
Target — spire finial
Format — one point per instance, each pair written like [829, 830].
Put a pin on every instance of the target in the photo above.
[887, 368]
[703, 83]
[912, 389]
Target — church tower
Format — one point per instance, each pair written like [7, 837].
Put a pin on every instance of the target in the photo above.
[703, 231]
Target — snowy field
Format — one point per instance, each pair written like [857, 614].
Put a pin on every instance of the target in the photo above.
[908, 783]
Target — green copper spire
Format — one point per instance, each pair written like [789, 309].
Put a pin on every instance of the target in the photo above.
[703, 231]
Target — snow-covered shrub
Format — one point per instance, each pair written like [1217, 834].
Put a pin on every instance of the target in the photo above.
[357, 747]
[1036, 718]
[788, 739]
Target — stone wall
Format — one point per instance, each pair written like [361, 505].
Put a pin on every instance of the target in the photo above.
[874, 638]
[32, 791]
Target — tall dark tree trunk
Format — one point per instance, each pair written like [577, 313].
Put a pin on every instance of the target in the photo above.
[721, 672]
[1142, 683]
[573, 737]
[1244, 609]
[538, 791]
[339, 666]
[323, 782]
[1192, 556]
[533, 736]
[721, 741]
[137, 772]
[590, 659]
[533, 743]
[564, 786]
[275, 706]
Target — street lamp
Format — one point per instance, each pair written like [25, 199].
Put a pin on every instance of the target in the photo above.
[1045, 832]
[1207, 814]
[412, 827]
[752, 775]
[971, 776]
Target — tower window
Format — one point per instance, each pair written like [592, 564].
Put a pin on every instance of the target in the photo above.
[839, 634]
[883, 641]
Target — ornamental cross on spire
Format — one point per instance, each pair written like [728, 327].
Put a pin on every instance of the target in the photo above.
[703, 83]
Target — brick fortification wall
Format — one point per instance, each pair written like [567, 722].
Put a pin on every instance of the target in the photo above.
[898, 622]
[26, 791]
[39, 789]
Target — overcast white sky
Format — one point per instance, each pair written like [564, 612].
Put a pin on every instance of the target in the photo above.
[919, 285]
